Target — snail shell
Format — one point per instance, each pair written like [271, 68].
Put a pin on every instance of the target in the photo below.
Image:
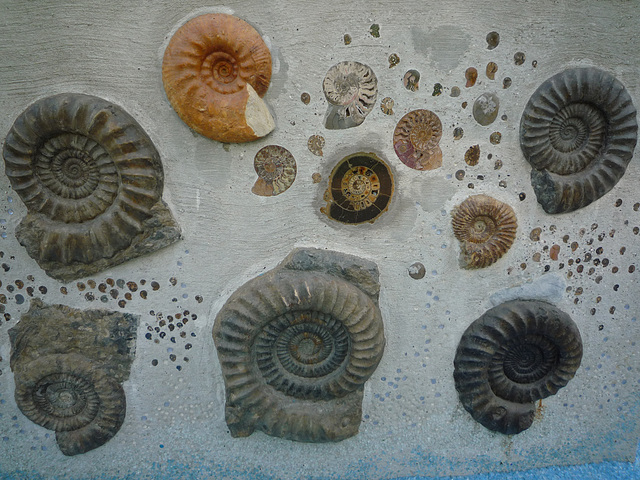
[215, 71]
[515, 354]
[578, 132]
[416, 139]
[276, 169]
[351, 88]
[289, 338]
[485, 228]
[67, 393]
[88, 174]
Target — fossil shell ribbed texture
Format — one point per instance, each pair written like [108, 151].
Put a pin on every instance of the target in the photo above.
[90, 177]
[351, 88]
[515, 354]
[276, 169]
[296, 348]
[578, 132]
[215, 70]
[416, 139]
[485, 228]
[360, 189]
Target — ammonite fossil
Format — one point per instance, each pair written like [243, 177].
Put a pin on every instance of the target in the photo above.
[92, 181]
[416, 139]
[276, 169]
[485, 108]
[515, 354]
[215, 71]
[351, 88]
[67, 393]
[296, 346]
[485, 228]
[360, 189]
[578, 132]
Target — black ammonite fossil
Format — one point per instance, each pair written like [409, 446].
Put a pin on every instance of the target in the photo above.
[578, 132]
[88, 174]
[360, 189]
[69, 394]
[301, 335]
[515, 354]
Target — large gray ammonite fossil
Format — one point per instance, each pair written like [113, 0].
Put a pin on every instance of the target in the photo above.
[92, 181]
[515, 354]
[296, 348]
[578, 132]
[69, 394]
[351, 88]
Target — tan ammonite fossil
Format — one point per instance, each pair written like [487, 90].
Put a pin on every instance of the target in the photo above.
[416, 139]
[486, 228]
[215, 70]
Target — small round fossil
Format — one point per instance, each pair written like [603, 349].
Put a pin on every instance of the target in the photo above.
[351, 88]
[360, 189]
[315, 144]
[386, 105]
[485, 108]
[493, 40]
[491, 70]
[471, 75]
[485, 228]
[276, 169]
[416, 138]
[411, 80]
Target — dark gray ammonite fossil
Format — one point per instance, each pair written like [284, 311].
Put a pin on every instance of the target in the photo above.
[69, 394]
[301, 336]
[578, 132]
[515, 354]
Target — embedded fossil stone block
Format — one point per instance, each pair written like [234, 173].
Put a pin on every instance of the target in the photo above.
[297, 344]
[92, 182]
[516, 353]
[351, 88]
[68, 368]
[578, 132]
[215, 71]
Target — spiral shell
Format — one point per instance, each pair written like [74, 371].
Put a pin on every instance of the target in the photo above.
[290, 339]
[360, 189]
[416, 139]
[485, 228]
[67, 393]
[578, 132]
[215, 70]
[276, 169]
[515, 354]
[351, 88]
[88, 174]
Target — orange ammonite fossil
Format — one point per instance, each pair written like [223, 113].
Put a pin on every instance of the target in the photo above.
[486, 229]
[215, 70]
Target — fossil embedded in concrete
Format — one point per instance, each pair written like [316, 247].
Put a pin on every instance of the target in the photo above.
[215, 71]
[68, 368]
[578, 132]
[297, 344]
[485, 108]
[351, 88]
[416, 139]
[276, 169]
[515, 354]
[92, 182]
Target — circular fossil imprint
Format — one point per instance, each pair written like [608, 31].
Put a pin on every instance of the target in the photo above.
[88, 171]
[578, 132]
[416, 138]
[360, 189]
[515, 354]
[215, 70]
[276, 169]
[68, 394]
[351, 88]
[485, 228]
[485, 108]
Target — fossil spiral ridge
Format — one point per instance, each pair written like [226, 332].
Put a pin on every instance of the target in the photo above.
[516, 353]
[293, 346]
[90, 177]
[351, 88]
[578, 132]
[215, 71]
[485, 228]
[69, 394]
[276, 168]
[416, 138]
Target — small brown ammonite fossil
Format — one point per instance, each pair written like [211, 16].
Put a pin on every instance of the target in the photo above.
[360, 189]
[215, 71]
[485, 228]
[351, 88]
[416, 139]
[276, 169]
